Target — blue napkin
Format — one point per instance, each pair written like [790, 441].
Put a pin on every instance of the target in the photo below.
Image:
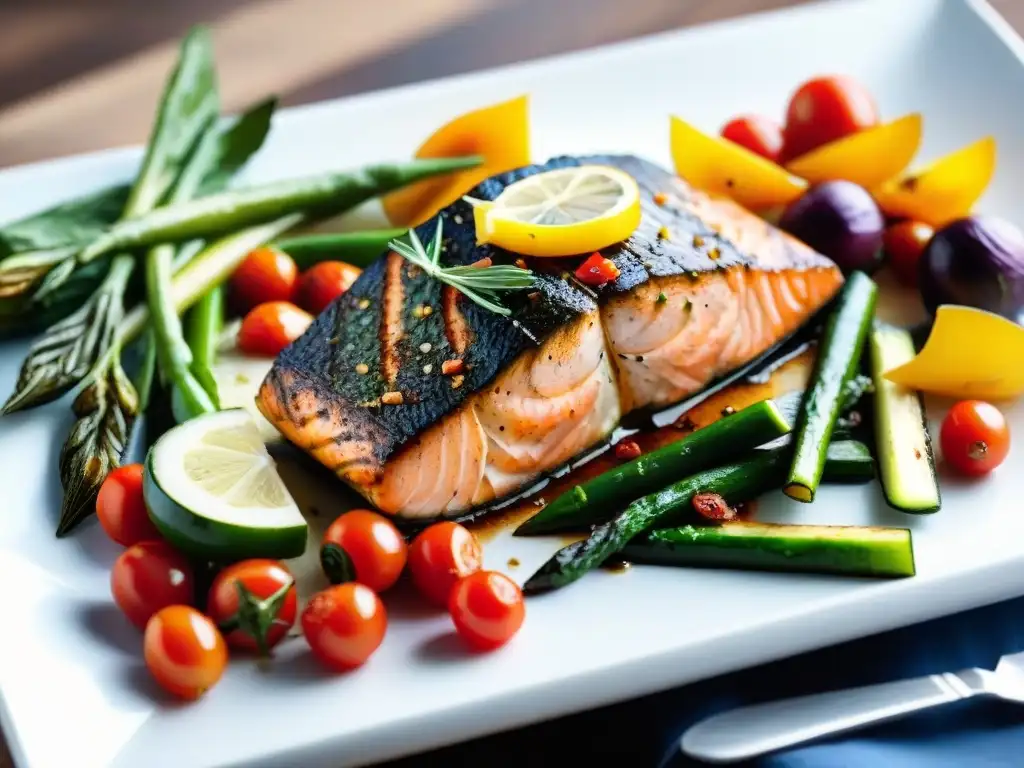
[645, 732]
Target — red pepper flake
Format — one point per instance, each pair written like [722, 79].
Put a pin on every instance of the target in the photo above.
[626, 450]
[521, 263]
[452, 367]
[660, 198]
[597, 270]
[482, 263]
[713, 507]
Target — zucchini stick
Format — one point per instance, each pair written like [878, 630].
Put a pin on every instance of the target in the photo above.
[840, 549]
[838, 360]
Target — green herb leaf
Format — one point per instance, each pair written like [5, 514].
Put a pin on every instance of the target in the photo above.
[72, 223]
[479, 284]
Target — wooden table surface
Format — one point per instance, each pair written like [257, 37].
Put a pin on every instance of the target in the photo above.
[82, 75]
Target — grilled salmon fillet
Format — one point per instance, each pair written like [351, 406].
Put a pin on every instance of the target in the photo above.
[705, 288]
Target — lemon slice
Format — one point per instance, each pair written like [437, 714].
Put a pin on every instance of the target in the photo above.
[213, 490]
[561, 212]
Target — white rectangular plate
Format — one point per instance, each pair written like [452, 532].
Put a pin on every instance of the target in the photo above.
[72, 688]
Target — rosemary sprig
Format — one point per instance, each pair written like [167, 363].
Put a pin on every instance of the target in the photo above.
[479, 284]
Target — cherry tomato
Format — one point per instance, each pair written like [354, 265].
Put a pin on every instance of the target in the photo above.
[365, 547]
[254, 604]
[597, 270]
[904, 243]
[271, 327]
[487, 608]
[184, 651]
[760, 135]
[121, 509]
[267, 274]
[149, 576]
[825, 109]
[323, 283]
[440, 556]
[344, 625]
[974, 437]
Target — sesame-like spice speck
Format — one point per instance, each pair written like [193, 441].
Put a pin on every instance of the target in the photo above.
[425, 347]
[364, 303]
[333, 340]
[241, 378]
[428, 311]
[648, 264]
[349, 347]
[457, 381]
[428, 368]
[698, 241]
[392, 398]
[521, 263]
[664, 234]
[714, 254]
[660, 198]
[457, 218]
[362, 369]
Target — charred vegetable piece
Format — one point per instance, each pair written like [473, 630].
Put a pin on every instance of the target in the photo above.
[595, 500]
[735, 483]
[841, 549]
[906, 462]
[838, 359]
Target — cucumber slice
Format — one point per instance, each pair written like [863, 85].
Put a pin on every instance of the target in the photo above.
[841, 549]
[906, 465]
[213, 491]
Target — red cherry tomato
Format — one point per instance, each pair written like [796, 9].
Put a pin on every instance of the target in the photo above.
[267, 274]
[344, 625]
[254, 604]
[323, 283]
[121, 509]
[487, 608]
[975, 438]
[825, 109]
[271, 327]
[440, 556]
[184, 651]
[760, 135]
[365, 547]
[149, 576]
[904, 243]
[597, 270]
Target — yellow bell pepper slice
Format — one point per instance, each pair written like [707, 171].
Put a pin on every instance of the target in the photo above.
[944, 190]
[720, 167]
[970, 353]
[867, 158]
[499, 133]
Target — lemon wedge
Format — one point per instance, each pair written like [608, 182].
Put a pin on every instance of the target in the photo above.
[561, 213]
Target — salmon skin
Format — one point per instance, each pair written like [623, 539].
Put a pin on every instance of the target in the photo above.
[705, 288]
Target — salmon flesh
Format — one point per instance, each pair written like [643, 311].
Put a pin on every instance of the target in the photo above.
[705, 288]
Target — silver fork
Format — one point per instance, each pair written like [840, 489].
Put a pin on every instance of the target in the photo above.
[762, 728]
